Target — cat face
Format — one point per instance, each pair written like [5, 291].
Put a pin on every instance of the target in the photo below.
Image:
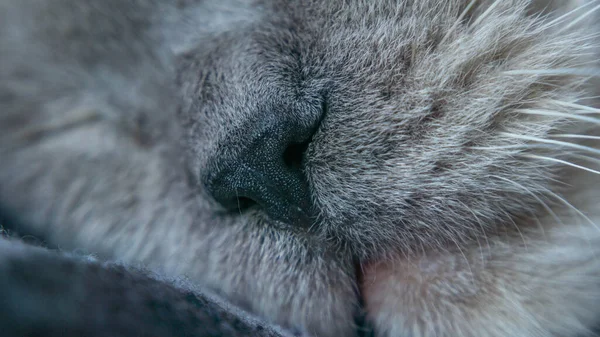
[410, 130]
[306, 137]
[400, 111]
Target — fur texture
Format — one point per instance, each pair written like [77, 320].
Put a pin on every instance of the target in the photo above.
[452, 162]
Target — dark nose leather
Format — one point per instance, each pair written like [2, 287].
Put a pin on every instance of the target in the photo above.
[267, 171]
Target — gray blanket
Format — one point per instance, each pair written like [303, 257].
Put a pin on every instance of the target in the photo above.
[46, 293]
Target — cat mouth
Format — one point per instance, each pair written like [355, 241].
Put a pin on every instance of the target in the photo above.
[363, 326]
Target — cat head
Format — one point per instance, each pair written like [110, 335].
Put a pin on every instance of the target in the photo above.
[317, 134]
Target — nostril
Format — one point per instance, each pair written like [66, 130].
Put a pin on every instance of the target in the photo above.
[292, 156]
[236, 201]
[243, 203]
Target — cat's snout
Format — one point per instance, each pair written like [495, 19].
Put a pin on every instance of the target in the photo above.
[267, 170]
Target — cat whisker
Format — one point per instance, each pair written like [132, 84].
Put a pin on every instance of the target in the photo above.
[499, 147]
[482, 231]
[587, 38]
[541, 227]
[582, 109]
[535, 196]
[560, 161]
[553, 142]
[561, 18]
[567, 135]
[577, 210]
[510, 218]
[587, 158]
[458, 21]
[487, 12]
[579, 19]
[522, 147]
[589, 97]
[465, 257]
[591, 72]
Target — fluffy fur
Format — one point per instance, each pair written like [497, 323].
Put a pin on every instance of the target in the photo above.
[452, 162]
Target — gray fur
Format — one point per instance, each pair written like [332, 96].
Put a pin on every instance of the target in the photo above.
[426, 168]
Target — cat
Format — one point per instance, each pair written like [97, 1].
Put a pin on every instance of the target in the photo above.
[425, 166]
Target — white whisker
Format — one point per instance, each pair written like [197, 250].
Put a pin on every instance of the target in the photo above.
[576, 21]
[465, 257]
[567, 135]
[499, 147]
[586, 158]
[564, 16]
[486, 13]
[591, 72]
[541, 227]
[560, 161]
[518, 229]
[482, 231]
[583, 109]
[559, 114]
[537, 198]
[552, 141]
[568, 204]
[586, 98]
[458, 20]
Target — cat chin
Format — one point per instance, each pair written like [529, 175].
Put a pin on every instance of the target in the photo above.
[281, 274]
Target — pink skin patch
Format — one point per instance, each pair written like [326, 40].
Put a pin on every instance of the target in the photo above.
[409, 295]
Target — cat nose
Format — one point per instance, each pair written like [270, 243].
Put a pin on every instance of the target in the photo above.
[268, 172]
